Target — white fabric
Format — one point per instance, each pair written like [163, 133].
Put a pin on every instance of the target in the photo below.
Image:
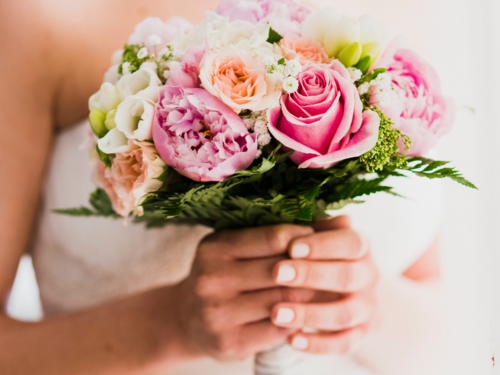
[82, 262]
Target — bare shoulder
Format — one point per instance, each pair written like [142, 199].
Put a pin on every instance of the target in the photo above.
[64, 47]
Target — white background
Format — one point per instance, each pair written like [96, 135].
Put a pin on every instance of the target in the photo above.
[465, 39]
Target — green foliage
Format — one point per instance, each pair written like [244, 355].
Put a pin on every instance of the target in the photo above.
[274, 37]
[101, 206]
[429, 168]
[386, 151]
[130, 56]
[370, 76]
[104, 157]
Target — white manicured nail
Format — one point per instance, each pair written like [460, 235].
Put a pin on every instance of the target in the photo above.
[286, 273]
[285, 315]
[300, 343]
[300, 250]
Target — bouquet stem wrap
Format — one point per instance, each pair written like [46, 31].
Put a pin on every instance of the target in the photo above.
[280, 360]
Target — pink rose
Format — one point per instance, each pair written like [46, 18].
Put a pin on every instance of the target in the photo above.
[133, 174]
[284, 16]
[417, 106]
[324, 122]
[167, 31]
[201, 137]
[239, 79]
[187, 73]
[306, 51]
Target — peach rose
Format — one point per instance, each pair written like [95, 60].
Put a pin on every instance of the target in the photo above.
[239, 79]
[132, 175]
[306, 51]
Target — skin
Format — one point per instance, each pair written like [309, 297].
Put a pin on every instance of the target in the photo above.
[54, 55]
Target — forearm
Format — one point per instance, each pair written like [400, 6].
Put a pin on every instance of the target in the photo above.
[134, 336]
[409, 334]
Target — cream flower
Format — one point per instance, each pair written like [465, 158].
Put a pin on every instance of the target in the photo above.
[134, 117]
[239, 79]
[198, 35]
[139, 81]
[106, 99]
[346, 38]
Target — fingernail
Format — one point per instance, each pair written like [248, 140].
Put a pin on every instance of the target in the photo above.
[286, 273]
[300, 250]
[300, 343]
[285, 315]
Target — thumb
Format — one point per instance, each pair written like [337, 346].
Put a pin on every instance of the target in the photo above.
[338, 222]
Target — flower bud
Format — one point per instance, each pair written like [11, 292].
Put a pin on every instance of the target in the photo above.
[373, 49]
[364, 64]
[110, 120]
[350, 55]
[97, 119]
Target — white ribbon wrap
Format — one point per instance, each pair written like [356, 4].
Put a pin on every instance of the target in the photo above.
[280, 360]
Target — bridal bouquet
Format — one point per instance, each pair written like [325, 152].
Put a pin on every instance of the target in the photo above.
[266, 112]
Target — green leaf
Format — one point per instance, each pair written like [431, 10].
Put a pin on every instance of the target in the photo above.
[101, 206]
[341, 204]
[424, 167]
[81, 211]
[274, 37]
[104, 157]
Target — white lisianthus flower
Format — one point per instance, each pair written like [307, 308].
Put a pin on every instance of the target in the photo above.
[106, 99]
[242, 35]
[336, 33]
[134, 116]
[290, 85]
[144, 78]
[112, 75]
[113, 142]
[199, 34]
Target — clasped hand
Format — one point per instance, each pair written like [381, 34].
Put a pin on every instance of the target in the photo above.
[250, 289]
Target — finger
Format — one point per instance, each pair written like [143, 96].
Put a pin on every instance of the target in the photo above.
[254, 242]
[340, 277]
[336, 316]
[258, 337]
[339, 343]
[342, 244]
[254, 307]
[338, 222]
[225, 280]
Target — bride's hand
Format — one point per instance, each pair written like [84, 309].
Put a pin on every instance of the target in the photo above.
[223, 308]
[329, 260]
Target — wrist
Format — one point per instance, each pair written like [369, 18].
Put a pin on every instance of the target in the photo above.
[168, 329]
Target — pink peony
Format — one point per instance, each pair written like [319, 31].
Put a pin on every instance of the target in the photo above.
[167, 31]
[324, 122]
[187, 73]
[201, 137]
[132, 175]
[284, 16]
[417, 106]
[306, 51]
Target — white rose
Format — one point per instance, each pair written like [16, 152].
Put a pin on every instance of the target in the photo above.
[113, 142]
[106, 99]
[198, 34]
[134, 117]
[337, 32]
[144, 78]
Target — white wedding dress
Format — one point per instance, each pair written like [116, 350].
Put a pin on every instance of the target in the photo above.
[84, 262]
